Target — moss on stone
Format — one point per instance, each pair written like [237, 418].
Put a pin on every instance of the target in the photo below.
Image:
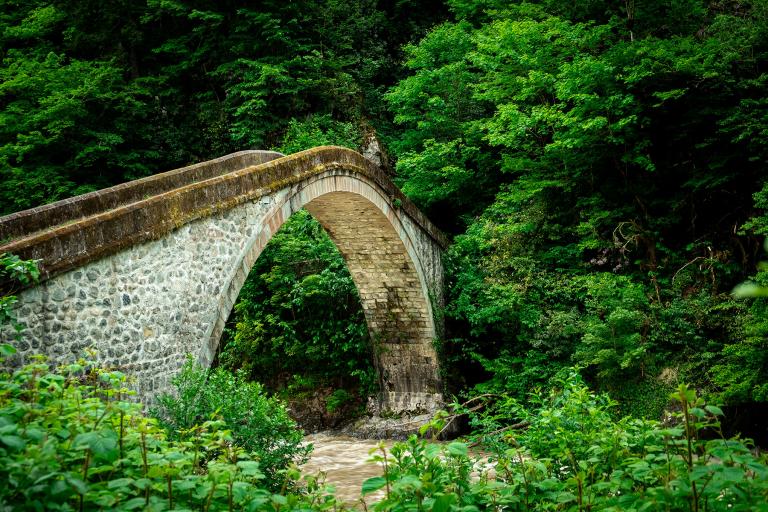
[112, 230]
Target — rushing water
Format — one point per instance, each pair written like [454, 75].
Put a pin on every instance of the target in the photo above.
[344, 461]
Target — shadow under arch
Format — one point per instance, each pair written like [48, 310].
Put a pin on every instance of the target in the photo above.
[383, 257]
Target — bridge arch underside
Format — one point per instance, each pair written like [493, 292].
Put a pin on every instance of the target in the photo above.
[145, 307]
[388, 269]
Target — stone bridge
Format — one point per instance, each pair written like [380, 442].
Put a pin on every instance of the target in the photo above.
[148, 271]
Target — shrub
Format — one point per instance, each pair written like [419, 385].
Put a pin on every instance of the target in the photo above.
[337, 399]
[319, 130]
[69, 440]
[259, 424]
[574, 456]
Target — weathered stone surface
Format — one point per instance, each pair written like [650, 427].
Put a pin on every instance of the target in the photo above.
[146, 283]
[43, 217]
[377, 427]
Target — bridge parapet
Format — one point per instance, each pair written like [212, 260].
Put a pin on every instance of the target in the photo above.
[64, 239]
[27, 222]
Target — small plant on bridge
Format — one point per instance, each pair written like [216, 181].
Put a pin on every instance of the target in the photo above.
[15, 273]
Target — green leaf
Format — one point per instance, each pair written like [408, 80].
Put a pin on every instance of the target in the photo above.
[279, 499]
[103, 444]
[250, 468]
[443, 503]
[408, 482]
[120, 482]
[747, 290]
[76, 483]
[714, 410]
[457, 449]
[373, 485]
[432, 450]
[13, 442]
[133, 504]
[35, 434]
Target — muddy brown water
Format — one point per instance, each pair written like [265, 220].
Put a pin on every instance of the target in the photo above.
[344, 460]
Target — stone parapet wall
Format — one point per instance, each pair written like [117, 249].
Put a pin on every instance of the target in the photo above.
[61, 247]
[73, 209]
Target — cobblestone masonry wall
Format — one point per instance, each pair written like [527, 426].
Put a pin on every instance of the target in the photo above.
[145, 307]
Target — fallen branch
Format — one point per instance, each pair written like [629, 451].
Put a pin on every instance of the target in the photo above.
[453, 417]
[516, 426]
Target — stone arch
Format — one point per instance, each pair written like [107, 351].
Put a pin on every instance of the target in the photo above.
[387, 269]
[149, 271]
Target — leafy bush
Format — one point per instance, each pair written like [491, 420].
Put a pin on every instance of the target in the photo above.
[71, 440]
[574, 455]
[337, 399]
[741, 371]
[424, 476]
[259, 424]
[14, 274]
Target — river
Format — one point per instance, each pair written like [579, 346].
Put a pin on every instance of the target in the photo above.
[344, 460]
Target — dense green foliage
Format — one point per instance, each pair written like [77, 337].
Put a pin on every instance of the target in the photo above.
[299, 314]
[600, 166]
[319, 130]
[259, 424]
[575, 456]
[71, 440]
[93, 94]
[598, 161]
